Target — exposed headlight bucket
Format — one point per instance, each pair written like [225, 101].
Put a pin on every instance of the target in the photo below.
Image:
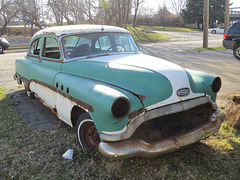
[120, 108]
[216, 85]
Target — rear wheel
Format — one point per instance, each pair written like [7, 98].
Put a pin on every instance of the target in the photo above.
[87, 134]
[1, 48]
[30, 94]
[236, 51]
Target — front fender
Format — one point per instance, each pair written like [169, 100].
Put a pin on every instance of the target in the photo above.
[99, 98]
[201, 82]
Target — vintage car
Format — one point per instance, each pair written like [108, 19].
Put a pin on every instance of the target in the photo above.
[95, 79]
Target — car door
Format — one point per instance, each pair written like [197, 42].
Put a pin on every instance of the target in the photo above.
[46, 59]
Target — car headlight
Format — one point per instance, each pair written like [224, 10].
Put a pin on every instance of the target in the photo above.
[120, 108]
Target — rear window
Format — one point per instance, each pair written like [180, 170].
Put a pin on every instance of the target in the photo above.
[234, 29]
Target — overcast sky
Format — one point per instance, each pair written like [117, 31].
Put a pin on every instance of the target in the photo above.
[156, 3]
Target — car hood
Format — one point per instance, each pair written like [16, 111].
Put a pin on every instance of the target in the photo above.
[155, 81]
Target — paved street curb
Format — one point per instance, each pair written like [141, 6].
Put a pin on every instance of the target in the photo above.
[15, 50]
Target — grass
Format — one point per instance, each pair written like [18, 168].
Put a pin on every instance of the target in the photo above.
[141, 35]
[161, 28]
[27, 153]
[206, 49]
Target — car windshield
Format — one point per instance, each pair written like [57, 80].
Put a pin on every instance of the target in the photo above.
[98, 44]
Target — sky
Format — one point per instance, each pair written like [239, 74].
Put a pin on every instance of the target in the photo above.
[156, 3]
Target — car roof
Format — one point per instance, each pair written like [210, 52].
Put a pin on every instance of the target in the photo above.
[71, 29]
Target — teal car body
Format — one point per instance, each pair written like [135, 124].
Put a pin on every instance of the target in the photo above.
[125, 103]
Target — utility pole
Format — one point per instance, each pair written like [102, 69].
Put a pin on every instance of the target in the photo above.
[226, 18]
[205, 23]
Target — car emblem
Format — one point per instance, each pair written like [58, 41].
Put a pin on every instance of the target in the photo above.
[183, 92]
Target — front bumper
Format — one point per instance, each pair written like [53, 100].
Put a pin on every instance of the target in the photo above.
[137, 147]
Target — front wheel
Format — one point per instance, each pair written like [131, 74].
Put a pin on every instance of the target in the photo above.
[236, 52]
[213, 32]
[87, 134]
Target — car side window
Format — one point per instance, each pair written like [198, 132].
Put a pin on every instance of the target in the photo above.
[51, 48]
[35, 47]
[82, 41]
[103, 43]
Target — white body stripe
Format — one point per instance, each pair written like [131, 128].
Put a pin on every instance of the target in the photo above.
[174, 73]
[61, 105]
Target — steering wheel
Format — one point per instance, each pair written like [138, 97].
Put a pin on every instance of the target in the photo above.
[119, 48]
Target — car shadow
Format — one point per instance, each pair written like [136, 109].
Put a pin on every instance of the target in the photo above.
[35, 113]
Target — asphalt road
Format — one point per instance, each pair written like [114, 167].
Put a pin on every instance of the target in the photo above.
[221, 63]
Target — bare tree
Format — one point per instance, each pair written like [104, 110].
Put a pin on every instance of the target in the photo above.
[178, 5]
[163, 14]
[55, 6]
[146, 16]
[137, 3]
[8, 10]
[76, 10]
[31, 12]
[90, 7]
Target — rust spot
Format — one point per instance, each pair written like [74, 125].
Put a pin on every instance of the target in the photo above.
[32, 55]
[134, 114]
[128, 124]
[51, 60]
[45, 59]
[141, 97]
[48, 33]
[82, 104]
[78, 102]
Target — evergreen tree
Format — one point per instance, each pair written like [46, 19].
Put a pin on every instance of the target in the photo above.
[195, 8]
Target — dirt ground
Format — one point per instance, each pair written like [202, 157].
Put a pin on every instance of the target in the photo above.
[34, 112]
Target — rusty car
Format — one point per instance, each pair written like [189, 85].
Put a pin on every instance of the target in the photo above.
[119, 100]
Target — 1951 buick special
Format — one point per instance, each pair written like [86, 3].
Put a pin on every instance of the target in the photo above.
[126, 103]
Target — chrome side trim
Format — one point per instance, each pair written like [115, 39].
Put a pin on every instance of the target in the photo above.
[138, 147]
[131, 127]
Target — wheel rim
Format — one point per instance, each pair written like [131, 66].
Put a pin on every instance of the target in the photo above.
[238, 52]
[88, 135]
[1, 49]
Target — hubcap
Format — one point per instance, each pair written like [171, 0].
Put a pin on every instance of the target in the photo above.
[238, 52]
